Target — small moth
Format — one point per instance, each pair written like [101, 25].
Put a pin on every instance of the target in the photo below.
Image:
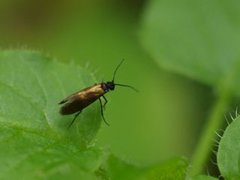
[76, 102]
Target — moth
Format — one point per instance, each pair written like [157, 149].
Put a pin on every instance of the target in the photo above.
[77, 101]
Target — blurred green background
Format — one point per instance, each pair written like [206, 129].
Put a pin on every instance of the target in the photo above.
[161, 121]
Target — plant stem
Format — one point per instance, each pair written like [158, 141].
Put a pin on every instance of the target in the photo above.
[213, 124]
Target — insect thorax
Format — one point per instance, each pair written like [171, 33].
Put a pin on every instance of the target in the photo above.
[108, 86]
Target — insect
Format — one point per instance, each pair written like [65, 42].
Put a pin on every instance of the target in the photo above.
[76, 102]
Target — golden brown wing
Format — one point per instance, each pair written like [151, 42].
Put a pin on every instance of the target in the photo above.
[81, 99]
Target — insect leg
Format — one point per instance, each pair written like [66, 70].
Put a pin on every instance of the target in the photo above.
[74, 119]
[106, 101]
[101, 106]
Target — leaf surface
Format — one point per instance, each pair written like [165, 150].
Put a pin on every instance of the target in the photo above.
[35, 139]
[228, 156]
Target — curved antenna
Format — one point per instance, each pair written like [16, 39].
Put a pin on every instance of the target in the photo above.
[125, 85]
[114, 74]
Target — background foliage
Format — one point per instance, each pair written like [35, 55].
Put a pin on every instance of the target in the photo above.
[182, 55]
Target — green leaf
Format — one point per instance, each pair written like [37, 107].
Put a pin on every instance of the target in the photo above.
[116, 169]
[119, 169]
[228, 156]
[199, 39]
[35, 139]
[203, 177]
[172, 170]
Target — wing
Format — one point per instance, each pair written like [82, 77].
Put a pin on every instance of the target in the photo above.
[72, 96]
[79, 100]
[72, 105]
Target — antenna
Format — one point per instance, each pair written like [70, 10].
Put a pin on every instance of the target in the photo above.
[114, 74]
[125, 85]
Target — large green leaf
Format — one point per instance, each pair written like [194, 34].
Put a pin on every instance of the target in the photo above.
[199, 39]
[35, 140]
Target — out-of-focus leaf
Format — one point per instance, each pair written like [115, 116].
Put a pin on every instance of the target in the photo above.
[203, 177]
[199, 39]
[171, 170]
